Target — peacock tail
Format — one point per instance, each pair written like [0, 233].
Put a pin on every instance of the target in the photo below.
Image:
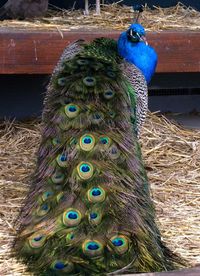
[89, 210]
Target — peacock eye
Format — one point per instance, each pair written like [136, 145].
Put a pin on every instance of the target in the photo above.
[60, 197]
[130, 32]
[43, 209]
[95, 218]
[59, 265]
[108, 94]
[71, 217]
[47, 195]
[89, 81]
[70, 237]
[114, 152]
[132, 35]
[62, 160]
[93, 215]
[73, 142]
[82, 61]
[72, 110]
[112, 114]
[97, 118]
[56, 141]
[85, 170]
[87, 142]
[105, 142]
[111, 74]
[61, 81]
[96, 194]
[120, 244]
[57, 177]
[62, 266]
[37, 240]
[92, 248]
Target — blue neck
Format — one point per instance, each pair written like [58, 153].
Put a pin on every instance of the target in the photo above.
[138, 53]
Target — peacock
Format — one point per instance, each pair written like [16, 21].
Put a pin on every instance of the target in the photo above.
[89, 210]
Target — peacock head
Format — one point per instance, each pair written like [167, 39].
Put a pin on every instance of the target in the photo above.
[136, 33]
[133, 48]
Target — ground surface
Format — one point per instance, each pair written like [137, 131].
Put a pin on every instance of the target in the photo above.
[172, 158]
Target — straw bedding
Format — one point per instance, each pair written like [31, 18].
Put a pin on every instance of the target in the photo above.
[172, 158]
[114, 16]
[171, 153]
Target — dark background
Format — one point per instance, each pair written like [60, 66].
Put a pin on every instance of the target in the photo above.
[22, 95]
[162, 3]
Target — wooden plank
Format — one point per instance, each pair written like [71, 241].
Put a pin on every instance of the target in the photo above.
[36, 52]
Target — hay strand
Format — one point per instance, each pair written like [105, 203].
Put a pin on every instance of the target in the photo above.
[172, 158]
[115, 17]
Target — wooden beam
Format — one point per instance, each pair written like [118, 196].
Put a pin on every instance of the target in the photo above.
[36, 52]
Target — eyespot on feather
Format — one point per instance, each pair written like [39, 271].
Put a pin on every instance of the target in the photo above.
[85, 170]
[114, 152]
[112, 114]
[120, 244]
[97, 117]
[60, 197]
[46, 195]
[94, 218]
[105, 142]
[109, 94]
[61, 81]
[71, 217]
[56, 142]
[82, 61]
[43, 209]
[92, 248]
[37, 240]
[62, 160]
[73, 142]
[96, 194]
[89, 81]
[57, 177]
[87, 142]
[62, 266]
[70, 237]
[111, 74]
[72, 110]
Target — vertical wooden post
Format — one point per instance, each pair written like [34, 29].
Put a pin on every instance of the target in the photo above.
[86, 8]
[98, 10]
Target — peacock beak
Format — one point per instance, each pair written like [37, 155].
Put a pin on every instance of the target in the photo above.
[143, 38]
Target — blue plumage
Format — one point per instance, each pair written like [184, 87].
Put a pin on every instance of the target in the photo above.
[139, 53]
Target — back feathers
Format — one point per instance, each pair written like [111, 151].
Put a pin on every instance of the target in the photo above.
[89, 211]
